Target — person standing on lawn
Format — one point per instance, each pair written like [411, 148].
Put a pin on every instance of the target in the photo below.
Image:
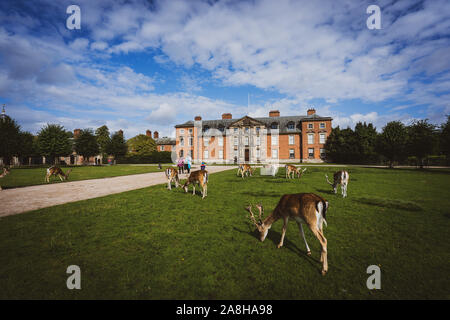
[203, 166]
[188, 163]
[180, 165]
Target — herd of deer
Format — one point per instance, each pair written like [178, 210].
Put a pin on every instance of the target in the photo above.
[308, 208]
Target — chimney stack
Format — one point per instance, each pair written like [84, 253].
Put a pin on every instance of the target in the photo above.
[121, 132]
[227, 116]
[155, 135]
[76, 132]
[198, 118]
[148, 133]
[311, 111]
[274, 113]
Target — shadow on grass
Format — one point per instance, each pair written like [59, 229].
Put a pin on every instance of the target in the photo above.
[262, 194]
[275, 237]
[390, 203]
[325, 191]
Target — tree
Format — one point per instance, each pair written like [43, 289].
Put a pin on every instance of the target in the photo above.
[85, 144]
[366, 138]
[103, 139]
[341, 146]
[391, 143]
[117, 147]
[28, 147]
[421, 139]
[141, 145]
[54, 141]
[444, 138]
[9, 139]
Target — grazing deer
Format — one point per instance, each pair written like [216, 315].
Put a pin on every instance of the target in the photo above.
[172, 175]
[200, 177]
[306, 208]
[56, 171]
[245, 169]
[5, 172]
[340, 177]
[293, 170]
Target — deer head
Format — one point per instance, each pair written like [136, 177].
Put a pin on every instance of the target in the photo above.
[262, 228]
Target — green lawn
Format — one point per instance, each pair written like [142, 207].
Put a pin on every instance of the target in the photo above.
[21, 177]
[158, 244]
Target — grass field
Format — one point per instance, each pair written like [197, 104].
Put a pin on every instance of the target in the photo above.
[158, 244]
[21, 177]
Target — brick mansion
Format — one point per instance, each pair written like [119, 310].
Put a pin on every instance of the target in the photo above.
[254, 140]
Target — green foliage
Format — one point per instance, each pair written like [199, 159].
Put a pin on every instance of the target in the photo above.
[391, 143]
[103, 139]
[154, 157]
[28, 145]
[85, 144]
[141, 145]
[54, 141]
[420, 139]
[348, 146]
[444, 138]
[9, 138]
[117, 147]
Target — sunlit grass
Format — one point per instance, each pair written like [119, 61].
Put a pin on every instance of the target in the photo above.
[158, 244]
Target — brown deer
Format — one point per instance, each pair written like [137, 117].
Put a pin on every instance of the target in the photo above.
[200, 177]
[306, 208]
[5, 172]
[340, 178]
[245, 169]
[56, 171]
[291, 171]
[172, 175]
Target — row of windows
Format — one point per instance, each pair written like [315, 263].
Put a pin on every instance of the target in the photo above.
[258, 153]
[274, 125]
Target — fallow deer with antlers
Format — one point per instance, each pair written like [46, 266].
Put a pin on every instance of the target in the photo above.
[172, 175]
[340, 178]
[292, 171]
[197, 177]
[56, 171]
[306, 208]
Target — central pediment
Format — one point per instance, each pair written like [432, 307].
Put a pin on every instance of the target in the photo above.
[247, 121]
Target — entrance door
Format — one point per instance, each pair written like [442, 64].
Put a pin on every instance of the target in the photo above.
[247, 155]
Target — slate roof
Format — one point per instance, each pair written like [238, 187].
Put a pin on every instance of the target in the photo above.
[165, 141]
[267, 121]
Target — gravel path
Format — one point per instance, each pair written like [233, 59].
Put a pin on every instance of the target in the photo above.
[19, 200]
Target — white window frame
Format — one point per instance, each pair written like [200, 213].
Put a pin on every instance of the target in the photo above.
[220, 154]
[206, 141]
[309, 156]
[220, 141]
[310, 138]
[205, 154]
[322, 138]
[291, 139]
[181, 131]
[181, 141]
[292, 151]
[236, 141]
[274, 153]
[322, 125]
[274, 139]
[310, 126]
[161, 148]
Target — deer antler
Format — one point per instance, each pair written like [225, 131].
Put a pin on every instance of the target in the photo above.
[328, 180]
[261, 211]
[252, 217]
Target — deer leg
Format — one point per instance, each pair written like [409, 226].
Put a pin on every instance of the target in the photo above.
[283, 232]
[169, 185]
[193, 189]
[323, 243]
[308, 251]
[60, 177]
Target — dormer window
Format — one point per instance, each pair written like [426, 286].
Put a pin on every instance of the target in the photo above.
[221, 128]
[310, 126]
[205, 128]
[274, 125]
[322, 125]
[291, 126]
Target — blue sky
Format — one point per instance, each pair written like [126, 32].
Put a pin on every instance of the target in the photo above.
[138, 65]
